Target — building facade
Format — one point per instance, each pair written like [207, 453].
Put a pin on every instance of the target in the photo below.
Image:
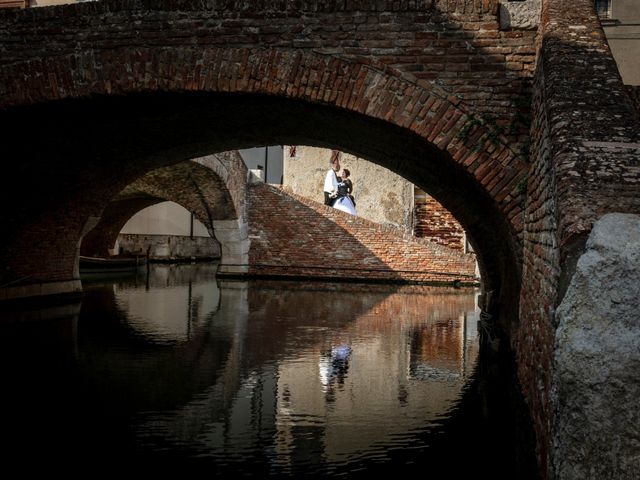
[381, 195]
[621, 22]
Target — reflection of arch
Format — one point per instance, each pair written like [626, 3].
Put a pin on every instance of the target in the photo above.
[106, 315]
[378, 115]
[200, 187]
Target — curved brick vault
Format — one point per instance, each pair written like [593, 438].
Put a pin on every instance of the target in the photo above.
[198, 185]
[120, 94]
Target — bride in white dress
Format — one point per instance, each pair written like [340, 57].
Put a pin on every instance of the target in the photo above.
[344, 201]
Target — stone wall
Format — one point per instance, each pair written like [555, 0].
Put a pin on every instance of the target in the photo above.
[520, 14]
[292, 236]
[169, 247]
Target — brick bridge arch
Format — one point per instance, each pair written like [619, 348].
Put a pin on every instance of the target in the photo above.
[199, 186]
[136, 104]
[386, 80]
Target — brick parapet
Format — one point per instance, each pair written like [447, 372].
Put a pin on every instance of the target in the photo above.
[594, 129]
[294, 236]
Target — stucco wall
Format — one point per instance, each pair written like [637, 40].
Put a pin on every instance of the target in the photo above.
[623, 35]
[165, 218]
[381, 195]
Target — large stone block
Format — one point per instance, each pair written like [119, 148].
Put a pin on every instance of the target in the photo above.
[520, 14]
[597, 358]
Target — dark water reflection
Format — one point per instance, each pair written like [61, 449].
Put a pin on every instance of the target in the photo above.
[177, 370]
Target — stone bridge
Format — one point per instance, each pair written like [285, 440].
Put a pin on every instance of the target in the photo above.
[213, 188]
[527, 136]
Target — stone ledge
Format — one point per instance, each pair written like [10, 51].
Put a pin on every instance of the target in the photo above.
[19, 292]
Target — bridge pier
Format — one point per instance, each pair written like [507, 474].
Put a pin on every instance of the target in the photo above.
[233, 236]
[573, 339]
[53, 271]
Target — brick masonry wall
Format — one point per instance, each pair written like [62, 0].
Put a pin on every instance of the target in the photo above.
[441, 74]
[459, 43]
[585, 146]
[454, 50]
[534, 339]
[294, 236]
[435, 223]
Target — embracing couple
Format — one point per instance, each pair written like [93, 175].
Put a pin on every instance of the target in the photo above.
[338, 187]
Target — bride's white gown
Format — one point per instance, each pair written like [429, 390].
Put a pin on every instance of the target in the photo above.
[345, 204]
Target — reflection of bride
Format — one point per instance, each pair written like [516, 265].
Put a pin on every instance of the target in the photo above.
[334, 365]
[344, 201]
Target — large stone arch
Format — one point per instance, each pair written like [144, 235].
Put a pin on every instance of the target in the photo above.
[176, 97]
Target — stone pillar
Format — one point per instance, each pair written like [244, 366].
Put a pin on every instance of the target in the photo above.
[233, 236]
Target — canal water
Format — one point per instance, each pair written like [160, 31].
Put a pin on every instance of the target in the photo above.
[175, 370]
